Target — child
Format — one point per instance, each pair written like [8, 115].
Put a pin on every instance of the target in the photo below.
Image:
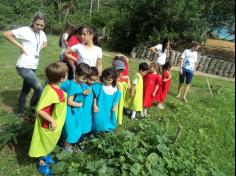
[124, 75]
[51, 113]
[135, 102]
[105, 102]
[152, 85]
[166, 81]
[123, 84]
[63, 39]
[88, 101]
[73, 125]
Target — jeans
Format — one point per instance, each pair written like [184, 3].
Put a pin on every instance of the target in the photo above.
[30, 80]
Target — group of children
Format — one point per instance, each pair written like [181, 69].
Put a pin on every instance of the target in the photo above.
[86, 106]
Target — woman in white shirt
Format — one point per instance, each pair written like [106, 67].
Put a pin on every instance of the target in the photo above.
[31, 39]
[163, 51]
[88, 52]
[187, 68]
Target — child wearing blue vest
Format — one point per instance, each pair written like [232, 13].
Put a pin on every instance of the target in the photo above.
[106, 98]
[73, 127]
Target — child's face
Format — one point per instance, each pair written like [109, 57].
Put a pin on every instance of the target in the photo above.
[91, 80]
[108, 81]
[81, 79]
[152, 69]
[142, 73]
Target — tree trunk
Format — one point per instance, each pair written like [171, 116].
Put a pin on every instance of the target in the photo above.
[91, 8]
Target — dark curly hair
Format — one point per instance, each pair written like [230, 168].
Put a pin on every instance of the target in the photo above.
[109, 73]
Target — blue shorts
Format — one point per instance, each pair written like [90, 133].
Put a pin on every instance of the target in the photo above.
[188, 75]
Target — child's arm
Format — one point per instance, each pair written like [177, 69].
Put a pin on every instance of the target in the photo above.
[95, 107]
[72, 103]
[153, 49]
[44, 115]
[155, 90]
[128, 80]
[167, 79]
[132, 90]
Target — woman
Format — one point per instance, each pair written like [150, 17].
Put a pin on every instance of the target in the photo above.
[74, 38]
[187, 68]
[32, 40]
[163, 51]
[88, 52]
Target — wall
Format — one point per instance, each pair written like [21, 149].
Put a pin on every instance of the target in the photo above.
[206, 64]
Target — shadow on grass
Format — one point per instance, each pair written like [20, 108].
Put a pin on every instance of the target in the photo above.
[10, 98]
[17, 137]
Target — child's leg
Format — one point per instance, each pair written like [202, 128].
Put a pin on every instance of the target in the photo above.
[67, 147]
[145, 111]
[133, 116]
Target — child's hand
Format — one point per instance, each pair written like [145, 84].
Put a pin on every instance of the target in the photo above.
[95, 108]
[114, 109]
[86, 92]
[154, 94]
[53, 125]
[80, 104]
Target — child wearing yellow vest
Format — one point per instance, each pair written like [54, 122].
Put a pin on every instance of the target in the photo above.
[51, 114]
[134, 99]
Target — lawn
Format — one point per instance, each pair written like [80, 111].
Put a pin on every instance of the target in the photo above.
[208, 123]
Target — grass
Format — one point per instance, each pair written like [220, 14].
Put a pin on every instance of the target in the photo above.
[208, 122]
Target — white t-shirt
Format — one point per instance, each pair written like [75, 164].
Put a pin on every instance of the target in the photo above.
[162, 56]
[32, 43]
[110, 90]
[190, 58]
[90, 56]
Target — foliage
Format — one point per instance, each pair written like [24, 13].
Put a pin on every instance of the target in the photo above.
[13, 131]
[126, 22]
[145, 149]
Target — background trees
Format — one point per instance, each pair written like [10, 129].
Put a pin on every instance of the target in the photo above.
[127, 22]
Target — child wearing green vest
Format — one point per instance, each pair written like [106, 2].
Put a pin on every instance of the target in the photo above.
[123, 84]
[134, 100]
[51, 113]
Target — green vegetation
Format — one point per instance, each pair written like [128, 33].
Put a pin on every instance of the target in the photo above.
[205, 147]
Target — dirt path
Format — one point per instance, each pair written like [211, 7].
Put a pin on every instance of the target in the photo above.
[111, 54]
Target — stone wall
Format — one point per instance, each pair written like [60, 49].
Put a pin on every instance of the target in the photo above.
[206, 64]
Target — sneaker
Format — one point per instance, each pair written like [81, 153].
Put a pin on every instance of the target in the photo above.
[133, 118]
[44, 169]
[68, 149]
[47, 159]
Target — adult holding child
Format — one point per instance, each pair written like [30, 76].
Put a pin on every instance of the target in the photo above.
[31, 40]
[187, 68]
[163, 51]
[88, 52]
